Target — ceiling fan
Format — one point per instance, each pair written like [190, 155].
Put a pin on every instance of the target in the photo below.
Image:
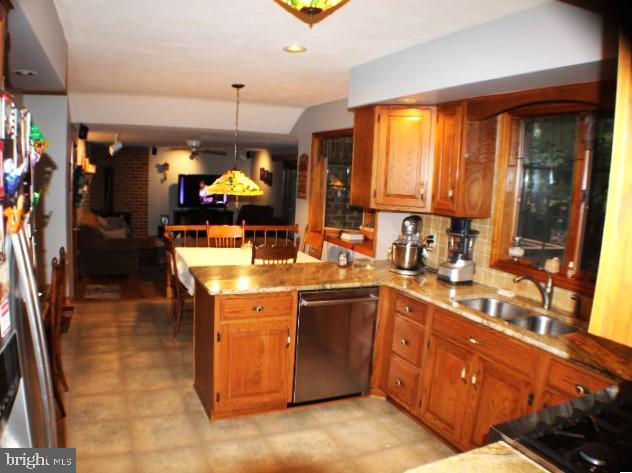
[195, 149]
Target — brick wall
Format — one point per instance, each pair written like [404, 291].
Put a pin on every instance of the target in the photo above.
[130, 183]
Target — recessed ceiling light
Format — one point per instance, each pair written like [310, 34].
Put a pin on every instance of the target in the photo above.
[24, 72]
[294, 48]
[407, 100]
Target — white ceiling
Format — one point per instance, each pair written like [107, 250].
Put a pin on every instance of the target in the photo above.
[197, 48]
[159, 71]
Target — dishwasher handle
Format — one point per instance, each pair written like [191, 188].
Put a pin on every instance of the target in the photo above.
[326, 302]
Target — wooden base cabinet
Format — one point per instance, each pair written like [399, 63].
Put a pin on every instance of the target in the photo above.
[243, 351]
[498, 395]
[254, 365]
[447, 387]
[564, 381]
[407, 335]
[475, 378]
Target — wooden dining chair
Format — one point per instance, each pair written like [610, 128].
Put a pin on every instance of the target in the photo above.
[52, 322]
[179, 292]
[188, 235]
[224, 236]
[275, 254]
[270, 234]
[314, 242]
[67, 309]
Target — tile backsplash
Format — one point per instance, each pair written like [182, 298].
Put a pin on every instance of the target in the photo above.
[437, 225]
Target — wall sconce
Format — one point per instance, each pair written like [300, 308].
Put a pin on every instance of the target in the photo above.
[162, 169]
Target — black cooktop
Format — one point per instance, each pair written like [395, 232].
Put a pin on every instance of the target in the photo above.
[590, 434]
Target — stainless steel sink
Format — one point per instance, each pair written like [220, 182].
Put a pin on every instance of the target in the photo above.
[543, 325]
[496, 307]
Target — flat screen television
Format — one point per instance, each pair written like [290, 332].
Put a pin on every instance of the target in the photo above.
[192, 191]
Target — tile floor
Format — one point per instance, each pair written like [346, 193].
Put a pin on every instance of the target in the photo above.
[131, 408]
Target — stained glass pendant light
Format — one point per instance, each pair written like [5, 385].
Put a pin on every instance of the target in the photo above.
[234, 181]
[311, 11]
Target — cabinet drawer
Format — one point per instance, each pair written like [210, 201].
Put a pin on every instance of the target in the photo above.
[408, 339]
[256, 306]
[411, 308]
[573, 380]
[519, 356]
[402, 381]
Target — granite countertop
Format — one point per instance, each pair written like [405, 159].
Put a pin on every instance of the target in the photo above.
[581, 347]
[497, 456]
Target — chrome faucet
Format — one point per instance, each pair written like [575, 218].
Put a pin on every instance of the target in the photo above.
[546, 290]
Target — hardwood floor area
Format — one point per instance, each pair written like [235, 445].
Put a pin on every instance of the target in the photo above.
[131, 408]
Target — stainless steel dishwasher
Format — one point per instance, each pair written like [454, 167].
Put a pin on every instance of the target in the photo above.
[334, 344]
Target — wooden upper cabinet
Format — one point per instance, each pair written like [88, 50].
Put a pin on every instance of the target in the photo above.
[464, 156]
[392, 158]
[403, 155]
[423, 159]
[447, 157]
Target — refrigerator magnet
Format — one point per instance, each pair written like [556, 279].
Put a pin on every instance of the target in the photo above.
[5, 318]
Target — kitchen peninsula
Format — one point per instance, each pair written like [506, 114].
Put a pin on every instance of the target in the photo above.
[245, 328]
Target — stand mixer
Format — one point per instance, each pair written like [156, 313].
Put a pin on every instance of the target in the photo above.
[408, 252]
[459, 267]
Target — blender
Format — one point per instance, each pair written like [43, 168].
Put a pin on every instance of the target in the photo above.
[459, 267]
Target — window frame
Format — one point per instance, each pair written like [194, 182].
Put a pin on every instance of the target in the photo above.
[317, 195]
[508, 185]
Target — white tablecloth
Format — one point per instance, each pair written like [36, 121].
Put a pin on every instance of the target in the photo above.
[187, 258]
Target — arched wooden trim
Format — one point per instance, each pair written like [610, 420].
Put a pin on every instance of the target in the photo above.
[577, 97]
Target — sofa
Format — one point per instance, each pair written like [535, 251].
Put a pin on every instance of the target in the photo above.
[258, 215]
[105, 246]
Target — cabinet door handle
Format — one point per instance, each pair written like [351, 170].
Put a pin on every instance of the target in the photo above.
[289, 338]
[581, 390]
[464, 374]
[399, 382]
[406, 309]
[422, 191]
[451, 194]
[475, 378]
[258, 308]
[403, 341]
[473, 341]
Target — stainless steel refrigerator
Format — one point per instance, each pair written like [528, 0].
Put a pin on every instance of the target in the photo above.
[27, 415]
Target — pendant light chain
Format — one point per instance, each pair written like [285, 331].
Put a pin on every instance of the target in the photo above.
[237, 87]
[234, 181]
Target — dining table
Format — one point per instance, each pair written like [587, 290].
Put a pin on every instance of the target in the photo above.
[189, 257]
